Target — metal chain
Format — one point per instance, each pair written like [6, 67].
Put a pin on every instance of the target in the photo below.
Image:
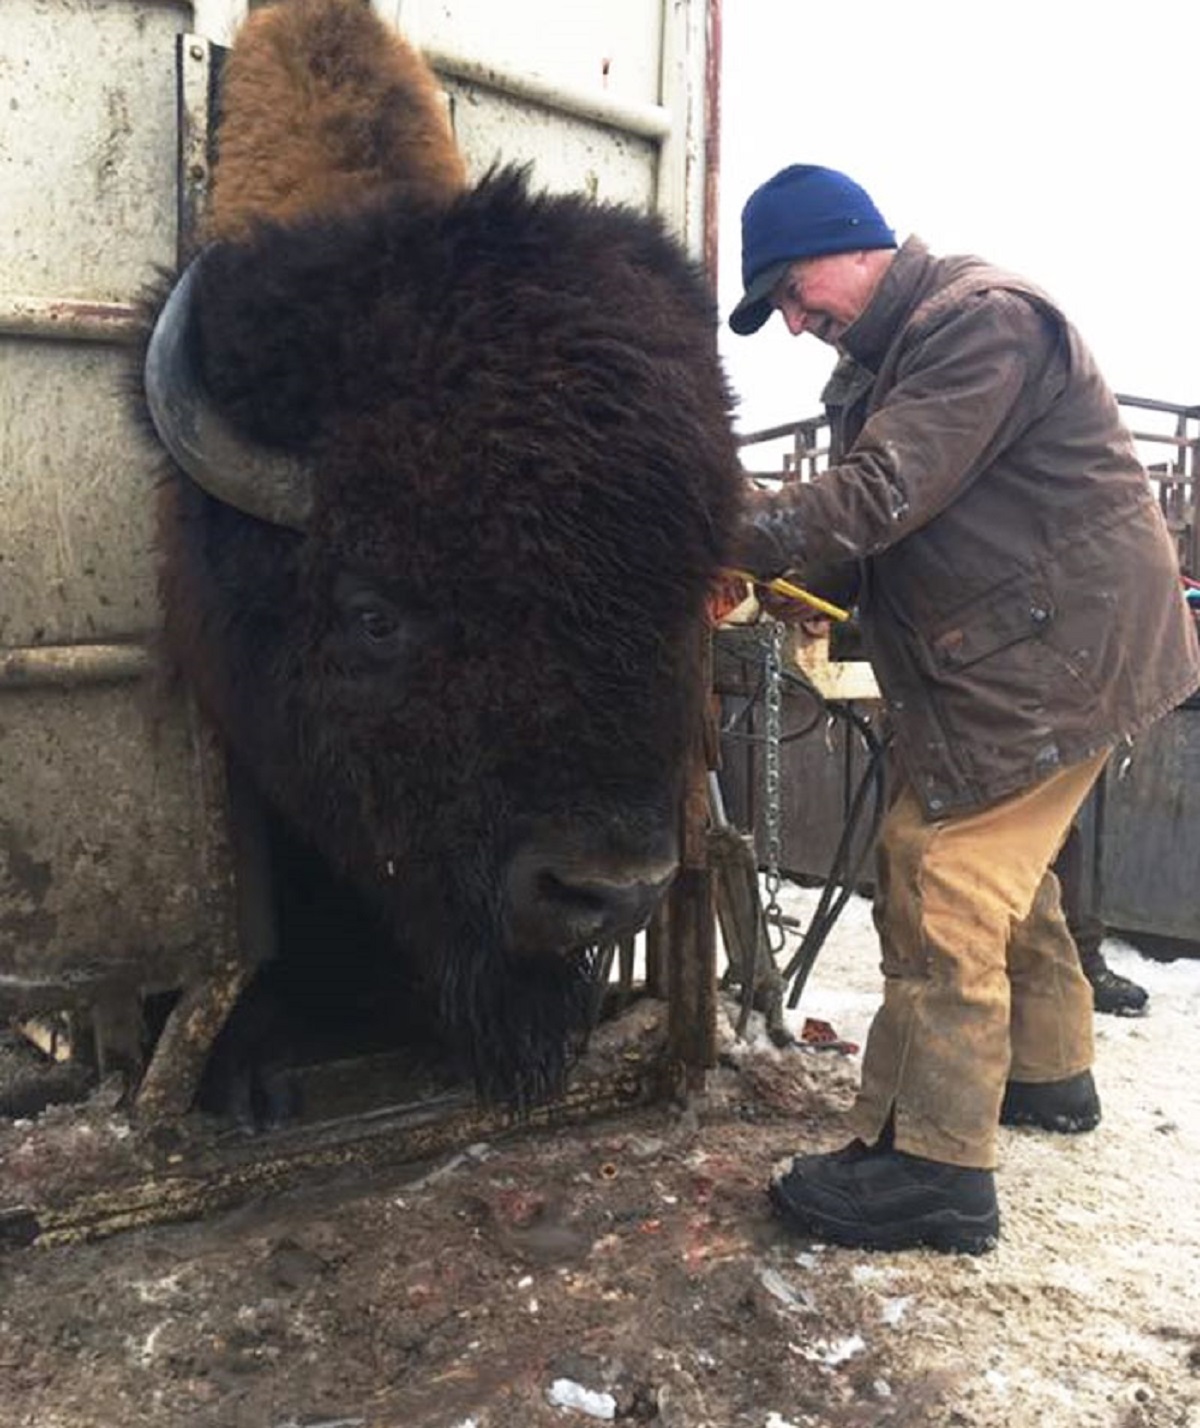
[772, 783]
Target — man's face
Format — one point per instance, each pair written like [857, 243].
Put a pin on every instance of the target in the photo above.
[825, 295]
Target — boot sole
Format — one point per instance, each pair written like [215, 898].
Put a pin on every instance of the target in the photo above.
[1060, 1125]
[947, 1231]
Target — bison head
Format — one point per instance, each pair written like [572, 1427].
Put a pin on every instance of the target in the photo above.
[452, 479]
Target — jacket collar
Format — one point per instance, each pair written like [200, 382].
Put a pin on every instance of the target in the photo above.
[903, 285]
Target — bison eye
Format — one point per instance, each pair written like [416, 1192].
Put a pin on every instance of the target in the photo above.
[377, 625]
[376, 628]
[369, 622]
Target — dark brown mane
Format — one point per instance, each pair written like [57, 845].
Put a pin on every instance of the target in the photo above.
[469, 682]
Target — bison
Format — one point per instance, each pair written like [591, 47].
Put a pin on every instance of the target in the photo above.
[450, 474]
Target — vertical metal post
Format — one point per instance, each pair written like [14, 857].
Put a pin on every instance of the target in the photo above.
[692, 941]
[657, 941]
[197, 68]
[172, 1079]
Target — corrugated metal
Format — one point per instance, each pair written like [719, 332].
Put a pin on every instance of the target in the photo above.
[112, 861]
[820, 773]
[1140, 827]
[1149, 833]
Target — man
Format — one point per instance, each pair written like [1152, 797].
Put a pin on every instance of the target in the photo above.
[1020, 602]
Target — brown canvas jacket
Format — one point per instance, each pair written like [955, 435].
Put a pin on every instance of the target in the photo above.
[1020, 595]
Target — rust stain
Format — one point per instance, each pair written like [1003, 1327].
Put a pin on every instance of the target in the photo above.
[80, 318]
[25, 882]
[70, 309]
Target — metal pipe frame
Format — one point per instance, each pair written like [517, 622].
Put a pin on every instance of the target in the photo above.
[70, 666]
[646, 121]
[67, 319]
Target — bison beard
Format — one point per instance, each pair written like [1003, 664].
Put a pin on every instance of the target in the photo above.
[521, 1025]
[511, 1027]
[462, 663]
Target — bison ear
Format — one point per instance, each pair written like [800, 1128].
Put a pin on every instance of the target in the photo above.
[262, 481]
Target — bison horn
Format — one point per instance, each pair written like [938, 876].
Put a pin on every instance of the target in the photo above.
[258, 480]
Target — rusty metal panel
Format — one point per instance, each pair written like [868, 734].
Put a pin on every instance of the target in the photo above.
[115, 868]
[820, 774]
[1149, 833]
[112, 854]
[77, 494]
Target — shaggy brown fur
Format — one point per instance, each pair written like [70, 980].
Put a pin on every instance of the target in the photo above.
[469, 685]
[322, 107]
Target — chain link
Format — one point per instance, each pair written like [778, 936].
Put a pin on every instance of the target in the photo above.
[772, 783]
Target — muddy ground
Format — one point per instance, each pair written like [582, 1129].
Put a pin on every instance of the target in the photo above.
[630, 1271]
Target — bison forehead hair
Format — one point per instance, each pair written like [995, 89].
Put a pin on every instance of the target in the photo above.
[514, 391]
[516, 420]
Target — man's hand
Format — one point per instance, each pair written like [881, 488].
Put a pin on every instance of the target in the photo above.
[766, 542]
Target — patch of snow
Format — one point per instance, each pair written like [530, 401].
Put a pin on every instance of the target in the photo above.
[893, 1310]
[871, 1273]
[831, 1353]
[566, 1393]
[778, 1287]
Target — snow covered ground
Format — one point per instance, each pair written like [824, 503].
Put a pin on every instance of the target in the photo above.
[1089, 1310]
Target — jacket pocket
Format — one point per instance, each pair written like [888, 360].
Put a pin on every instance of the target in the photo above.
[1020, 609]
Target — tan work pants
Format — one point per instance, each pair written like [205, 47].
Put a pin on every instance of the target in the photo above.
[981, 978]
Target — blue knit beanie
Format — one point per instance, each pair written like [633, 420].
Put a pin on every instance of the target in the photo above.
[805, 211]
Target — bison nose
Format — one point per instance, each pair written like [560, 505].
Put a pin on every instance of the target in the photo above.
[559, 902]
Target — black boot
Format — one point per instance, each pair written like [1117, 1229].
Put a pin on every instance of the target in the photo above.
[1069, 1106]
[1110, 991]
[883, 1199]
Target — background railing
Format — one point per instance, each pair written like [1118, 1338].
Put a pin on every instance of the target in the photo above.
[1168, 438]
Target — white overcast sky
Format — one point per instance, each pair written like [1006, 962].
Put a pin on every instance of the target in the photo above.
[1060, 139]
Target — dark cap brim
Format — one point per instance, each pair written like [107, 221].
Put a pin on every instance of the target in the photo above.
[755, 306]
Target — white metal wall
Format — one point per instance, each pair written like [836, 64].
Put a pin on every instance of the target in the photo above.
[604, 97]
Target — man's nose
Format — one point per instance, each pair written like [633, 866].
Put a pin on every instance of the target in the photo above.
[796, 319]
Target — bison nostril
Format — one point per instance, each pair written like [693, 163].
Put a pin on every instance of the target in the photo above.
[560, 905]
[585, 897]
[597, 909]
